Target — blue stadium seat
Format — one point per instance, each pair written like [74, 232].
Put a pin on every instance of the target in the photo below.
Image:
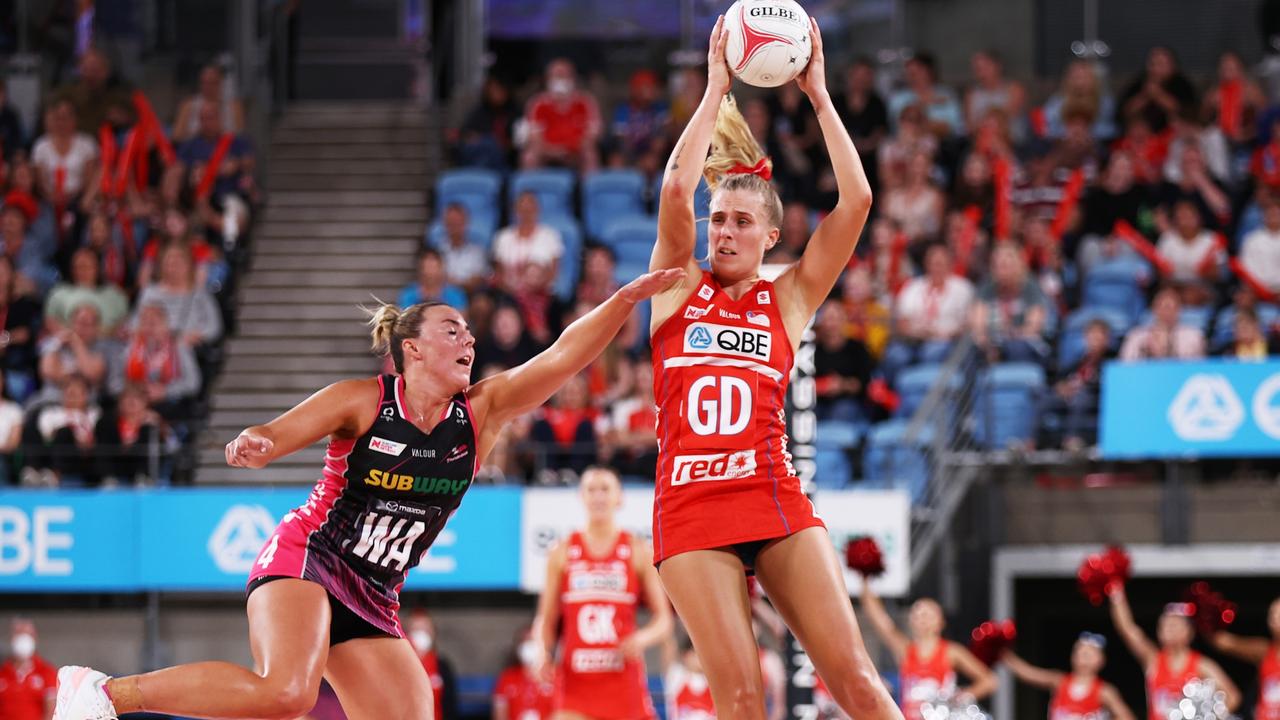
[1071, 339]
[571, 262]
[552, 186]
[628, 271]
[610, 195]
[1250, 220]
[476, 190]
[632, 239]
[1117, 285]
[701, 198]
[912, 385]
[1006, 405]
[889, 461]
[1224, 330]
[833, 442]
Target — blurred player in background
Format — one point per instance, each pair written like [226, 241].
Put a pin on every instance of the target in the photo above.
[1078, 694]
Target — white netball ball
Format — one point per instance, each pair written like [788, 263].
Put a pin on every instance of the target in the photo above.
[768, 41]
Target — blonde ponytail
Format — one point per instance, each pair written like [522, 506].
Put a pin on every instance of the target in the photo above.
[383, 323]
[391, 326]
[732, 144]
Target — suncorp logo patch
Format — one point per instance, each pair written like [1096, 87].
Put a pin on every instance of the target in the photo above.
[703, 468]
[727, 340]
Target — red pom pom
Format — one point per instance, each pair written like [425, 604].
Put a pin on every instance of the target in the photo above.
[990, 639]
[1210, 610]
[1102, 573]
[863, 556]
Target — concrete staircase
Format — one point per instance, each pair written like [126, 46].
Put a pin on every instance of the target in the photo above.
[347, 208]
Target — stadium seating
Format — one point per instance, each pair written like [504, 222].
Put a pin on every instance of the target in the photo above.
[632, 239]
[477, 191]
[1224, 330]
[552, 186]
[611, 195]
[835, 438]
[1117, 285]
[1071, 339]
[571, 262]
[889, 460]
[701, 197]
[1006, 404]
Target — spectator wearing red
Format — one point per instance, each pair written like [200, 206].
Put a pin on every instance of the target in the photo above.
[1161, 92]
[486, 138]
[211, 91]
[154, 357]
[465, 263]
[929, 314]
[1147, 148]
[890, 264]
[1264, 166]
[26, 250]
[521, 693]
[866, 318]
[599, 265]
[565, 431]
[506, 345]
[432, 284]
[1080, 88]
[1192, 253]
[1008, 322]
[1260, 251]
[58, 445]
[991, 90]
[175, 227]
[528, 242]
[911, 138]
[630, 427]
[563, 123]
[917, 206]
[224, 205]
[421, 631]
[124, 439]
[1164, 336]
[85, 288]
[63, 152]
[639, 130]
[1235, 102]
[28, 684]
[865, 114]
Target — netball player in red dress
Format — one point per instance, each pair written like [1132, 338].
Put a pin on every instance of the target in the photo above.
[1171, 665]
[1079, 694]
[596, 581]
[1265, 653]
[727, 498]
[927, 663]
[323, 595]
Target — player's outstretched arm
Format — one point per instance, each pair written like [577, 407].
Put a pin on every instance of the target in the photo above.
[508, 395]
[335, 410]
[676, 227]
[831, 246]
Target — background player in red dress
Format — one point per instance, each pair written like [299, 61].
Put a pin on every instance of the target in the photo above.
[522, 693]
[324, 594]
[927, 662]
[723, 344]
[27, 683]
[685, 686]
[1173, 663]
[596, 580]
[1079, 694]
[1265, 653]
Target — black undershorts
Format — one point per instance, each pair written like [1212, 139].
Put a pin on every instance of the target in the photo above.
[344, 624]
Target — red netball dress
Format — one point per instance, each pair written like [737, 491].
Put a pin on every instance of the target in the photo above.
[527, 697]
[924, 679]
[1164, 685]
[1067, 706]
[1269, 686]
[690, 695]
[720, 379]
[598, 600]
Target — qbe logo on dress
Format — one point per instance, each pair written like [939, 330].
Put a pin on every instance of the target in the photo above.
[240, 534]
[728, 340]
[1206, 409]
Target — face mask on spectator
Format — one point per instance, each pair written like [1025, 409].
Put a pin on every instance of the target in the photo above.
[529, 653]
[24, 646]
[422, 640]
[560, 86]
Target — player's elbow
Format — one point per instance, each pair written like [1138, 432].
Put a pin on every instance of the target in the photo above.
[675, 190]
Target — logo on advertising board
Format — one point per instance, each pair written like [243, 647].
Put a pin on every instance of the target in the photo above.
[1206, 408]
[239, 535]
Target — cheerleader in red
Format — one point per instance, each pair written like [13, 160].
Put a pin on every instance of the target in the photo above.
[1265, 653]
[1173, 664]
[927, 663]
[596, 581]
[1079, 694]
[727, 498]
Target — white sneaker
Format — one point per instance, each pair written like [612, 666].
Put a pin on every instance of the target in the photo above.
[81, 695]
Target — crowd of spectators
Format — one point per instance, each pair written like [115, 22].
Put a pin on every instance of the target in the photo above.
[997, 215]
[119, 239]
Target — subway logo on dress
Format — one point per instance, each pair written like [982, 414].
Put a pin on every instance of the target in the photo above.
[416, 483]
[728, 340]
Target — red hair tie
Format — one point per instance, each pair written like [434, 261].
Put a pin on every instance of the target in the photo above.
[762, 168]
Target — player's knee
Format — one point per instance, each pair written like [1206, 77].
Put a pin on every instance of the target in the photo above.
[746, 695]
[860, 690]
[291, 699]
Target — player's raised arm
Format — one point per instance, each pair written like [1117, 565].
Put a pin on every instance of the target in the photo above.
[676, 228]
[832, 244]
